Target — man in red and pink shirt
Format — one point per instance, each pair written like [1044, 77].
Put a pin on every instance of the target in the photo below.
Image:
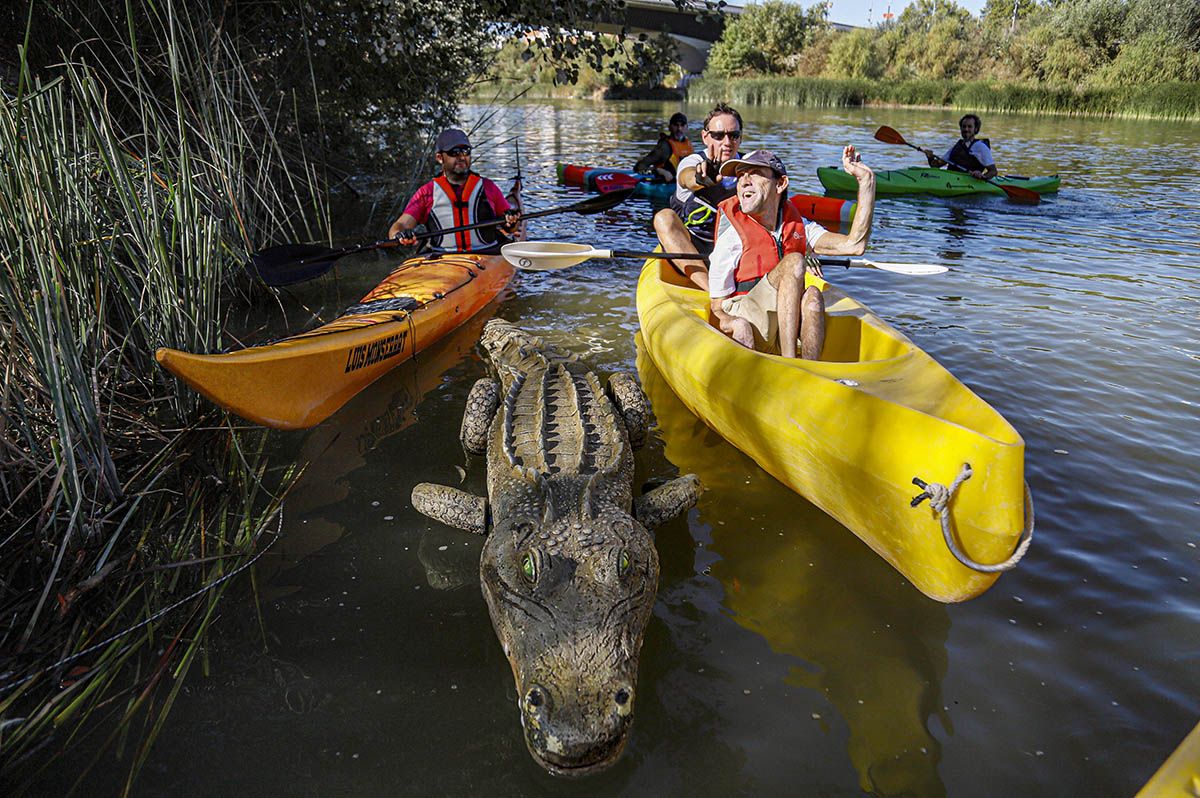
[458, 198]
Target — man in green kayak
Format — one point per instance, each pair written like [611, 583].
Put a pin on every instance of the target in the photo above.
[672, 147]
[969, 154]
[456, 198]
[763, 249]
[687, 226]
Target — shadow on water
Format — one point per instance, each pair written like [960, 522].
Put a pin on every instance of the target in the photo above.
[338, 448]
[870, 643]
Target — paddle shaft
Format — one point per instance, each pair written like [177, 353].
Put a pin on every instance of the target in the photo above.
[275, 270]
[624, 253]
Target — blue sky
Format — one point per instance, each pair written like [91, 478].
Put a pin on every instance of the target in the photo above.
[855, 12]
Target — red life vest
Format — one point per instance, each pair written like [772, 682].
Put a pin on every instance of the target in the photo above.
[761, 250]
[449, 211]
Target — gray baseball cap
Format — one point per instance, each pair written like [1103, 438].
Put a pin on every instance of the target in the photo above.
[450, 138]
[757, 158]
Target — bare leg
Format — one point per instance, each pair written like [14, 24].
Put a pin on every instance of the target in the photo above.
[812, 330]
[787, 303]
[674, 237]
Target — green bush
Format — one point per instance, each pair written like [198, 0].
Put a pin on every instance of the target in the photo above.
[854, 55]
[766, 39]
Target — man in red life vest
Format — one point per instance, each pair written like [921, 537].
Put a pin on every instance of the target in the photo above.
[763, 249]
[458, 197]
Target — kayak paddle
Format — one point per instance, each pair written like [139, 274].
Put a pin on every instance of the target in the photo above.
[892, 136]
[294, 263]
[553, 255]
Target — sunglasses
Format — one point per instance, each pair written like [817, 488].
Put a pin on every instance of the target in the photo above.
[458, 152]
[719, 135]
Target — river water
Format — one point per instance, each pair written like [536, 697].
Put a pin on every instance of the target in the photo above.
[784, 657]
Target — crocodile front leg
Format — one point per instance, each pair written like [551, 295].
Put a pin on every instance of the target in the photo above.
[667, 501]
[477, 418]
[631, 402]
[451, 506]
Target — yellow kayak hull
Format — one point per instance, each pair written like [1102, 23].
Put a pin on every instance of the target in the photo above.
[850, 431]
[1179, 776]
[301, 380]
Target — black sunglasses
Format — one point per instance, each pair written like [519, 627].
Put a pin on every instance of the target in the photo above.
[719, 135]
[458, 151]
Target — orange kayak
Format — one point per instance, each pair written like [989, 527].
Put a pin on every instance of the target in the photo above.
[301, 380]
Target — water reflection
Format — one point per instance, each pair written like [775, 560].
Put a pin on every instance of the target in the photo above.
[872, 645]
[338, 448]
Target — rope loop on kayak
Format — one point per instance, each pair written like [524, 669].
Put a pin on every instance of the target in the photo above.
[939, 499]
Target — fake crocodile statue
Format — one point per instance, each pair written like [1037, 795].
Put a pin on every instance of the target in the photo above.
[569, 569]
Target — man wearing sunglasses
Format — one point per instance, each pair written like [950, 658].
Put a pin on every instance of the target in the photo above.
[763, 249]
[689, 224]
[456, 198]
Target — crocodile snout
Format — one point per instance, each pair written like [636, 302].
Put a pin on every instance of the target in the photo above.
[577, 737]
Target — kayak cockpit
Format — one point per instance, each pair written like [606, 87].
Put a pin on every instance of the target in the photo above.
[864, 353]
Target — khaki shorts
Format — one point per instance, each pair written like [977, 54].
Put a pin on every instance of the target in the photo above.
[758, 308]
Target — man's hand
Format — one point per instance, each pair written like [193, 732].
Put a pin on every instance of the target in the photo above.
[852, 164]
[812, 265]
[977, 174]
[708, 173]
[407, 238]
[512, 221]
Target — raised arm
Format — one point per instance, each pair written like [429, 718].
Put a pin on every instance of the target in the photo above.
[855, 242]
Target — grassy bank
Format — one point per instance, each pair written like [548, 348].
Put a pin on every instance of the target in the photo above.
[129, 196]
[1152, 101]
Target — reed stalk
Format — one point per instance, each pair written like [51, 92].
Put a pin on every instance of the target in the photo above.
[135, 178]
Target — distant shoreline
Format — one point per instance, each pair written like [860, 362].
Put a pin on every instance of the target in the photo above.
[1176, 101]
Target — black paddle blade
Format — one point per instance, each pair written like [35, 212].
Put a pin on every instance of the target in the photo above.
[292, 263]
[602, 202]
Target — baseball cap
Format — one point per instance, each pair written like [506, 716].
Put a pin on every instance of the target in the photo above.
[757, 158]
[450, 138]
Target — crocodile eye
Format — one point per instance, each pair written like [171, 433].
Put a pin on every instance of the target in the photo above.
[623, 563]
[529, 567]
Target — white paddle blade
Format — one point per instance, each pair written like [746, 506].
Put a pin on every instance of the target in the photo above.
[547, 255]
[901, 268]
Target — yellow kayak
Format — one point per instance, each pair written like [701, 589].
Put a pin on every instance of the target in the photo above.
[301, 380]
[851, 431]
[1179, 776]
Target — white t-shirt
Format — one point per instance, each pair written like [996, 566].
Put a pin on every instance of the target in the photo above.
[980, 150]
[693, 161]
[728, 251]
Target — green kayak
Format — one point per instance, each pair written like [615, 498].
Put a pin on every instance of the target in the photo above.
[922, 180]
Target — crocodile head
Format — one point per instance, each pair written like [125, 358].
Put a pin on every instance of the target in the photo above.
[569, 599]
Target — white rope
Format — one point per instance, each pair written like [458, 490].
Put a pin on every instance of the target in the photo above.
[939, 499]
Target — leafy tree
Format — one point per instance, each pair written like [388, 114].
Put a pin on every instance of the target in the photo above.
[1153, 58]
[378, 73]
[766, 39]
[854, 55]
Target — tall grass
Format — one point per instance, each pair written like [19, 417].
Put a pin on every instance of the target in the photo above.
[1158, 101]
[130, 193]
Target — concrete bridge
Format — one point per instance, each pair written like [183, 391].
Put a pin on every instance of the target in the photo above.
[693, 30]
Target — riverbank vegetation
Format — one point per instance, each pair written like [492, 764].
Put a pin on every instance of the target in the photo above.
[608, 66]
[147, 149]
[132, 189]
[1109, 57]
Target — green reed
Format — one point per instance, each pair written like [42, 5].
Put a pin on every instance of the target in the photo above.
[1160, 101]
[136, 178]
